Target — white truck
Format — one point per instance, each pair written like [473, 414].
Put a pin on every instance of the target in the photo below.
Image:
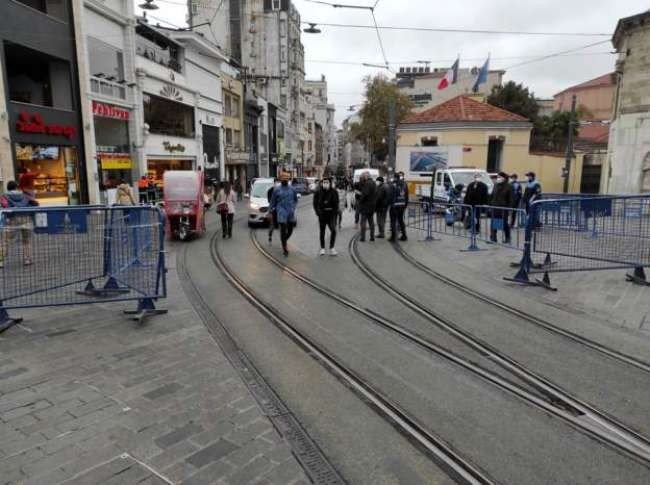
[418, 164]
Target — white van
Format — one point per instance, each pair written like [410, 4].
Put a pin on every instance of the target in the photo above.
[445, 179]
[374, 173]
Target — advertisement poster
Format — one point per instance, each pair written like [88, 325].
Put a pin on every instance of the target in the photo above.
[427, 161]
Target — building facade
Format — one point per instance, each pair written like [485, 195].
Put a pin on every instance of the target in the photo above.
[263, 37]
[627, 168]
[486, 137]
[42, 117]
[420, 84]
[595, 97]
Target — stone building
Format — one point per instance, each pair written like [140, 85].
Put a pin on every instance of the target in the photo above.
[628, 161]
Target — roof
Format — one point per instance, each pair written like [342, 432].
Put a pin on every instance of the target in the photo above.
[462, 109]
[594, 133]
[627, 23]
[608, 79]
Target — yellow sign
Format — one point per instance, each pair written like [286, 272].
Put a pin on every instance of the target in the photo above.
[115, 162]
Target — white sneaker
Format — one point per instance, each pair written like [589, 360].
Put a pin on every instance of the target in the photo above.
[322, 252]
[334, 252]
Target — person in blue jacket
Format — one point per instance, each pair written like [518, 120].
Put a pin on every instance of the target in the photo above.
[283, 202]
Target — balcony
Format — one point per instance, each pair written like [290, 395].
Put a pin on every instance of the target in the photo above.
[108, 87]
[153, 45]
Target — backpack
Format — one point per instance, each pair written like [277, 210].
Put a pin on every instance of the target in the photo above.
[10, 202]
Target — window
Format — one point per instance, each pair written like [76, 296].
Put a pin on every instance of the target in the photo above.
[645, 175]
[154, 46]
[228, 137]
[309, 127]
[276, 4]
[309, 146]
[429, 141]
[166, 117]
[226, 105]
[237, 138]
[106, 69]
[37, 78]
[235, 106]
[55, 8]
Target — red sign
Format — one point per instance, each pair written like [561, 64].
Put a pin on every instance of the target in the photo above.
[34, 124]
[108, 111]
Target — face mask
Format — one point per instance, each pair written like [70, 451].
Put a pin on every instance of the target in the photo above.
[326, 185]
[530, 179]
[500, 180]
[285, 183]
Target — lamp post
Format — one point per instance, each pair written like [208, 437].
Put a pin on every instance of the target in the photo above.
[569, 146]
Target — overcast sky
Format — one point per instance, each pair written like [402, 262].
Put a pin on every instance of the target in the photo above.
[545, 77]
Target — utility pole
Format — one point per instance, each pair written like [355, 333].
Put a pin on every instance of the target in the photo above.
[391, 133]
[569, 146]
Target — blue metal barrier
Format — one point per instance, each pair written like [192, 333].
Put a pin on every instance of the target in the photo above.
[443, 218]
[51, 256]
[587, 234]
[508, 221]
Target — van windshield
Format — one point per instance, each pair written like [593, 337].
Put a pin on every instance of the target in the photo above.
[467, 178]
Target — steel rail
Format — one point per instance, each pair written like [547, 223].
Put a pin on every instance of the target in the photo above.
[589, 418]
[546, 325]
[450, 460]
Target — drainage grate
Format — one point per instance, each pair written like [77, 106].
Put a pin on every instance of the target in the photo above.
[306, 451]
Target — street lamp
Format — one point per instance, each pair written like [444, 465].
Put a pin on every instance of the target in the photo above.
[312, 29]
[148, 5]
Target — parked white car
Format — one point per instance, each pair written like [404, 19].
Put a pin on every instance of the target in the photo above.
[258, 205]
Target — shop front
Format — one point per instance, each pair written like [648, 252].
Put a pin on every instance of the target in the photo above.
[114, 159]
[47, 150]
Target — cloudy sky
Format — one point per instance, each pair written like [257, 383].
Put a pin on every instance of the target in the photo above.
[339, 51]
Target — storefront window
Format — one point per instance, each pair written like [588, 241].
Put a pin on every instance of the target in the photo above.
[166, 117]
[156, 168]
[50, 172]
[113, 152]
[36, 78]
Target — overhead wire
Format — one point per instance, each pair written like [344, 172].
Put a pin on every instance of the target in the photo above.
[557, 54]
[460, 31]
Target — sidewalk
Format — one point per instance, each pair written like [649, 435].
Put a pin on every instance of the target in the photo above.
[87, 396]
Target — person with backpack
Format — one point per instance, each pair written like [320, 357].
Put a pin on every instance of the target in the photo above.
[326, 206]
[366, 203]
[15, 198]
[284, 202]
[381, 206]
[398, 202]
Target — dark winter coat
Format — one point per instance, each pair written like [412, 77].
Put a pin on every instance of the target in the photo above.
[477, 194]
[367, 197]
[326, 202]
[502, 195]
[397, 200]
[532, 192]
[383, 198]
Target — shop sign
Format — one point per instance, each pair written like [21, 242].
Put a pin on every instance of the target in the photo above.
[115, 161]
[173, 148]
[107, 111]
[34, 124]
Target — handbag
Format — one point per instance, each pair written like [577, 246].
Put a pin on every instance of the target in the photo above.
[496, 224]
[222, 208]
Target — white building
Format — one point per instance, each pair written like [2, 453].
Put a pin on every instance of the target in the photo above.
[420, 84]
[321, 129]
[179, 92]
[627, 170]
[263, 36]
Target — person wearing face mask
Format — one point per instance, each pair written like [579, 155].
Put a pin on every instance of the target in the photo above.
[381, 206]
[477, 194]
[284, 201]
[532, 192]
[367, 206]
[326, 206]
[399, 200]
[501, 197]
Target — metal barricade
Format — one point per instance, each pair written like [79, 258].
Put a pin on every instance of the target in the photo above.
[587, 234]
[54, 256]
[442, 218]
[501, 225]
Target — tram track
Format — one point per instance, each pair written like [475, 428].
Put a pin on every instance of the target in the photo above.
[555, 401]
[546, 325]
[442, 453]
